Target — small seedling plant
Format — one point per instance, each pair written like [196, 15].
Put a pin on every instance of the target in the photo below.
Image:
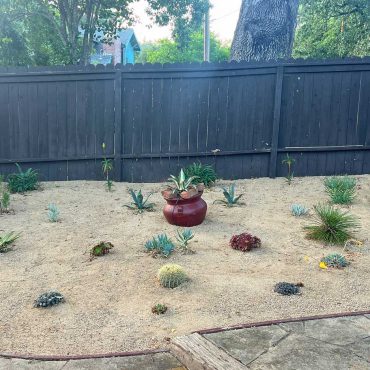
[159, 309]
[342, 190]
[23, 181]
[6, 240]
[138, 203]
[53, 213]
[202, 174]
[4, 197]
[289, 161]
[107, 167]
[331, 226]
[161, 245]
[184, 237]
[231, 199]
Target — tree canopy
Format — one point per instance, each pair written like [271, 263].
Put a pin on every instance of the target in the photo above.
[169, 51]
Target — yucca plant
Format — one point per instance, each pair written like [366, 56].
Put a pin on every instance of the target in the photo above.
[289, 161]
[6, 240]
[203, 174]
[107, 167]
[184, 237]
[230, 198]
[23, 181]
[182, 183]
[139, 203]
[342, 190]
[332, 225]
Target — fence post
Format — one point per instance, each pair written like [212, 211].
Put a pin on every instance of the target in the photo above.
[276, 121]
[118, 125]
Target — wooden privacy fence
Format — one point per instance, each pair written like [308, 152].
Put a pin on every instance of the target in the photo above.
[243, 118]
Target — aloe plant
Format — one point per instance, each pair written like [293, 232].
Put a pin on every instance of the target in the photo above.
[230, 198]
[184, 237]
[139, 203]
[182, 183]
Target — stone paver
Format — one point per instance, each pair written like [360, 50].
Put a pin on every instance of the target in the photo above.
[158, 361]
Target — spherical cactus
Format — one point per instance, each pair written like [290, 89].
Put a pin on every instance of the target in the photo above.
[335, 260]
[171, 275]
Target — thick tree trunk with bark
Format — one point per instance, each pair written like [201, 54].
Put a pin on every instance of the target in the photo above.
[265, 30]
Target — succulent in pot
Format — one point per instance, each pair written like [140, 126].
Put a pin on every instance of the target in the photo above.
[185, 206]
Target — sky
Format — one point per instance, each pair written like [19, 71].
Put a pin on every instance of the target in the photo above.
[224, 16]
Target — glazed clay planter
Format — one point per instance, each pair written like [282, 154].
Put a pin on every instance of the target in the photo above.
[186, 210]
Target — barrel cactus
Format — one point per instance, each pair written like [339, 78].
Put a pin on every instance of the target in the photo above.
[49, 299]
[335, 260]
[171, 275]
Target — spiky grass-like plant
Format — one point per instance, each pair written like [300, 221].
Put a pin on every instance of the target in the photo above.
[332, 225]
[230, 198]
[139, 203]
[23, 181]
[53, 213]
[203, 174]
[6, 240]
[342, 190]
[289, 161]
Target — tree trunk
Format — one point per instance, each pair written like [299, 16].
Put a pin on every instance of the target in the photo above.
[265, 30]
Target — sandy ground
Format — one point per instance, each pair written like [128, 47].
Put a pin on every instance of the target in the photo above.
[109, 300]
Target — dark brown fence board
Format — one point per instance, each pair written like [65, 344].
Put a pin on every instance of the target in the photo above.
[156, 119]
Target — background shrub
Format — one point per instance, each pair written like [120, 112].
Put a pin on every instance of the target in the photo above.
[23, 181]
[205, 174]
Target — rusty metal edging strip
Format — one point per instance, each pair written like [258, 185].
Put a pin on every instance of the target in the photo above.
[282, 321]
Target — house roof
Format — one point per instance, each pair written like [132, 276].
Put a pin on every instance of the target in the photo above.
[126, 36]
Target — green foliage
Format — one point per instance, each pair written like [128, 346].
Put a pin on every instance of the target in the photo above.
[49, 299]
[169, 51]
[342, 190]
[4, 196]
[53, 213]
[332, 28]
[289, 161]
[139, 203]
[101, 249]
[159, 309]
[331, 225]
[23, 181]
[230, 198]
[160, 245]
[184, 237]
[182, 183]
[203, 174]
[335, 260]
[298, 210]
[6, 240]
[171, 276]
[107, 167]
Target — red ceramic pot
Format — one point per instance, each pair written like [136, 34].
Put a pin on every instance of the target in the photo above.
[186, 210]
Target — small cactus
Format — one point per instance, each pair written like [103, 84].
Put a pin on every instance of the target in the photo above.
[171, 276]
[335, 260]
[49, 299]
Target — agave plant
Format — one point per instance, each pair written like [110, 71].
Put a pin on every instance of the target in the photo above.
[184, 237]
[160, 245]
[230, 198]
[6, 240]
[139, 203]
[182, 183]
